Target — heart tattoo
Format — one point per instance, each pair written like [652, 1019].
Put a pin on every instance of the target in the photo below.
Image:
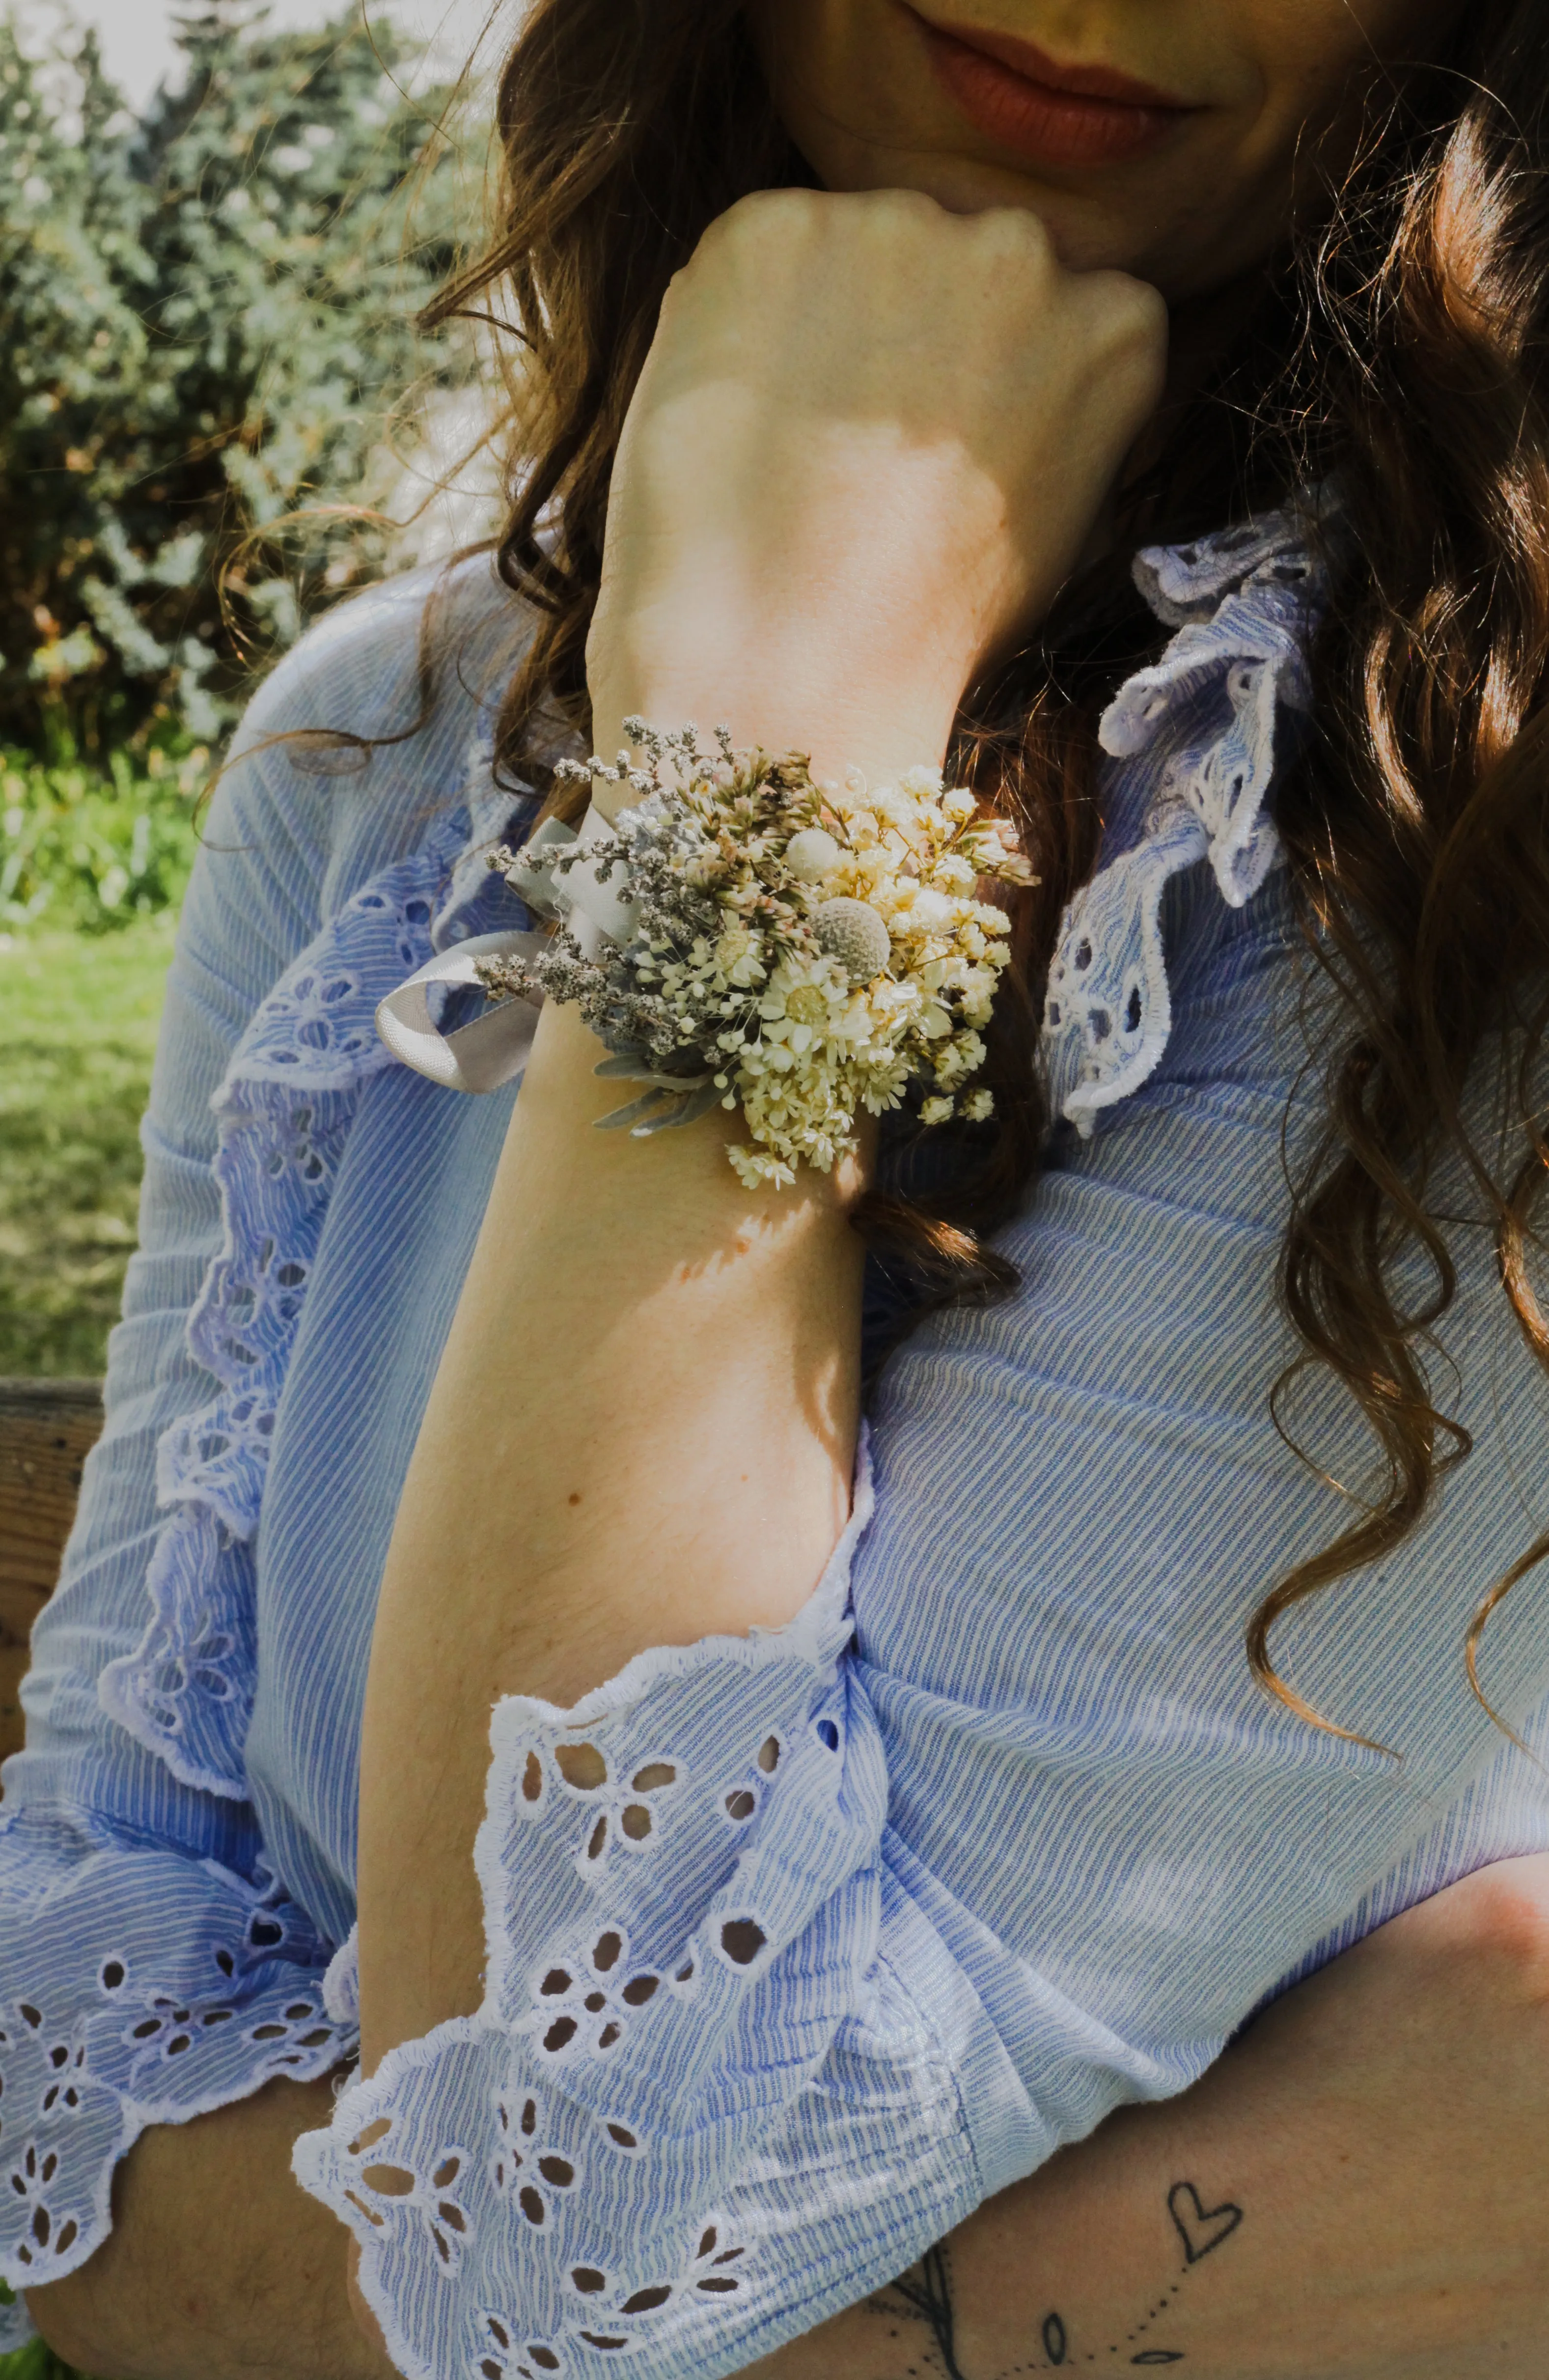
[1199, 2228]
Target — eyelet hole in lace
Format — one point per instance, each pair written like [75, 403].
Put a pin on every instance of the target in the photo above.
[740, 1806]
[768, 1754]
[42, 2234]
[388, 2180]
[370, 2136]
[742, 1939]
[582, 1767]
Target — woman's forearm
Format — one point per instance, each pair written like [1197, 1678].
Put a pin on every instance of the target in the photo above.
[642, 1432]
[1358, 2190]
[643, 1427]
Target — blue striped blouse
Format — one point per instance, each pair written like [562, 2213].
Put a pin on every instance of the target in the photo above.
[764, 2014]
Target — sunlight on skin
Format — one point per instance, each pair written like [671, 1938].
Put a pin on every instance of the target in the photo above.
[1201, 190]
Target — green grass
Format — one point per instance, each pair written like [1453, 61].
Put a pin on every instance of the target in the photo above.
[78, 1026]
[34, 2362]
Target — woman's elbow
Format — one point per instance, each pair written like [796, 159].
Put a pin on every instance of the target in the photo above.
[1491, 1928]
[68, 2317]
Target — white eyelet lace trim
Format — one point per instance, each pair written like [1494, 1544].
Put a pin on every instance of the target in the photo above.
[565, 2161]
[1199, 729]
[174, 2018]
[285, 1110]
[1197, 733]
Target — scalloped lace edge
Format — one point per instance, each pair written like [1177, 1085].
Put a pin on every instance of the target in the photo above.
[136, 2116]
[816, 1634]
[1233, 569]
[436, 863]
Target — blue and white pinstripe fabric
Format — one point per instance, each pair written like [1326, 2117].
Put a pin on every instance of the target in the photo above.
[765, 2014]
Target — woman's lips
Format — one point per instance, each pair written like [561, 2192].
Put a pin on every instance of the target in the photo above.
[1051, 115]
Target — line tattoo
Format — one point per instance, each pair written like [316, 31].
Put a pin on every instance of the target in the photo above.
[924, 2295]
[927, 2287]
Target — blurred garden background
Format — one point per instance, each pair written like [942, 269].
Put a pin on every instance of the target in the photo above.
[216, 418]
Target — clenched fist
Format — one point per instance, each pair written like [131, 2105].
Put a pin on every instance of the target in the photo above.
[870, 441]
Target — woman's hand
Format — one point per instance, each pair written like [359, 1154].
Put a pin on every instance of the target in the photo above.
[870, 441]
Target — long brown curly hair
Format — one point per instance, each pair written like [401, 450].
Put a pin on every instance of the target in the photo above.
[1398, 347]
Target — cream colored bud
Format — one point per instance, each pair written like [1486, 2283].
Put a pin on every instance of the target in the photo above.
[931, 912]
[812, 855]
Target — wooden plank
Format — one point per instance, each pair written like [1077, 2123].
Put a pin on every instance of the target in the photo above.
[48, 1428]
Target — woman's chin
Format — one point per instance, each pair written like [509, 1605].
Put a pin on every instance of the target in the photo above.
[1088, 235]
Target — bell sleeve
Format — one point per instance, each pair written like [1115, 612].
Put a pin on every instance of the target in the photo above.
[151, 1967]
[693, 2076]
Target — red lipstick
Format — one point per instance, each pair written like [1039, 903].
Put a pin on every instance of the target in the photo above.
[1051, 115]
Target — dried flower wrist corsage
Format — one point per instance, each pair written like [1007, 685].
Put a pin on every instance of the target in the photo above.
[798, 949]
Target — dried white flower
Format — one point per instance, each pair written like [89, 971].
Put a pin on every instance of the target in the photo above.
[853, 932]
[801, 951]
[812, 855]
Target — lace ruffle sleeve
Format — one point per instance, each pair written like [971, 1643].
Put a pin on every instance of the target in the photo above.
[152, 1966]
[693, 2103]
[137, 1986]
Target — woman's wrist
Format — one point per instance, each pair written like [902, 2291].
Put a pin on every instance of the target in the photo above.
[880, 727]
[749, 937]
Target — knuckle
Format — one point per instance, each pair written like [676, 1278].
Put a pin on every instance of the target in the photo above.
[1127, 325]
[1136, 313]
[1017, 229]
[762, 213]
[903, 206]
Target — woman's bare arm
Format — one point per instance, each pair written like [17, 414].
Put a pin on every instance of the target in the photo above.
[218, 2266]
[1363, 2178]
[643, 1427]
[1355, 2191]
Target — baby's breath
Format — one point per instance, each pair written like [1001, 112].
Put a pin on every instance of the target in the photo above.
[802, 951]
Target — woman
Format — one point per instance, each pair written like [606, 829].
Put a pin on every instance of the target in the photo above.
[805, 1945]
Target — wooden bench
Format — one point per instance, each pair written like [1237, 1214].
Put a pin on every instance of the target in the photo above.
[48, 1428]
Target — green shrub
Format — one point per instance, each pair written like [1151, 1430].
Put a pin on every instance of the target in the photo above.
[93, 849]
[207, 319]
